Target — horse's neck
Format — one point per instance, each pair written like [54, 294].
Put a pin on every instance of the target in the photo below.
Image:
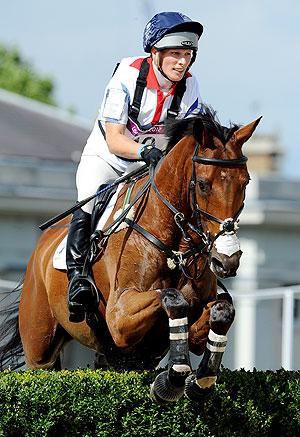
[172, 180]
[173, 176]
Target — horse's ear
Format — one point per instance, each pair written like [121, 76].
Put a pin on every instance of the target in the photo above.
[200, 132]
[244, 133]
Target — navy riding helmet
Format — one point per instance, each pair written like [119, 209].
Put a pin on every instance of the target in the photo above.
[166, 23]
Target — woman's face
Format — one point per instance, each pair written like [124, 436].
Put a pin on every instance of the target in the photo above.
[174, 62]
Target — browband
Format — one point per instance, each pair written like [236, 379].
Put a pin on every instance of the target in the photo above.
[226, 162]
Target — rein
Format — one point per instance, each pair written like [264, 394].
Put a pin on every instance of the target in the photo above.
[179, 259]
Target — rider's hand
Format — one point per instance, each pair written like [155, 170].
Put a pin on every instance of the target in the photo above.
[151, 155]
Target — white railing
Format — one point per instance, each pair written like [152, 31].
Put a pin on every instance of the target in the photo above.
[6, 286]
[244, 303]
[244, 326]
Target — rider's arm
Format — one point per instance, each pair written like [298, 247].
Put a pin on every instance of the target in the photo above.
[118, 143]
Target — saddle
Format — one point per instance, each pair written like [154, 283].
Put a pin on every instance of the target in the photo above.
[101, 202]
[98, 237]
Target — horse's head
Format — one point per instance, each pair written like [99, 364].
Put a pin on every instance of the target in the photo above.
[218, 178]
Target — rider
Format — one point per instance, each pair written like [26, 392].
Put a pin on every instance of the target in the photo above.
[142, 93]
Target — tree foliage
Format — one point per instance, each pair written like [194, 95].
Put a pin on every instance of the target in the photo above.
[19, 76]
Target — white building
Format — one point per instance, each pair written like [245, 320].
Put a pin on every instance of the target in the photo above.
[39, 147]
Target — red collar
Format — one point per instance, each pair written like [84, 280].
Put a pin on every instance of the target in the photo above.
[151, 78]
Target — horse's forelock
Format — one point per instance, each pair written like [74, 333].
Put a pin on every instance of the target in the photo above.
[177, 129]
[211, 123]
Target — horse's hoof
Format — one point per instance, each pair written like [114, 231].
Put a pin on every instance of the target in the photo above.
[179, 372]
[195, 393]
[163, 392]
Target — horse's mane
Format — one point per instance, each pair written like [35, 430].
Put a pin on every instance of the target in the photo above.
[207, 118]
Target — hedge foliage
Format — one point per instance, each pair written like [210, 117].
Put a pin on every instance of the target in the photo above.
[109, 404]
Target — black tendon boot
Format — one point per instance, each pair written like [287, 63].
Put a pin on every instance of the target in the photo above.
[80, 288]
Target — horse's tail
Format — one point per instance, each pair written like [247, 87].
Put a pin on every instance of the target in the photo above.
[11, 350]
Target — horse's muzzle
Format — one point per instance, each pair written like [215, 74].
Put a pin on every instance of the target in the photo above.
[225, 266]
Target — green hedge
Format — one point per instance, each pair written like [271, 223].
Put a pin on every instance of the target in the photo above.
[109, 404]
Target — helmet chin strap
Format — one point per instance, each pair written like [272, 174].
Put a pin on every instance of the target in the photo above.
[162, 72]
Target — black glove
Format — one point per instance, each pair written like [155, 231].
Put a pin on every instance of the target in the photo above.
[151, 155]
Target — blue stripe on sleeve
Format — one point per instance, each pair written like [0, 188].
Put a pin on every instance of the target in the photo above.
[192, 108]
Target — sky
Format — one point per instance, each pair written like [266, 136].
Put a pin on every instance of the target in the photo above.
[248, 62]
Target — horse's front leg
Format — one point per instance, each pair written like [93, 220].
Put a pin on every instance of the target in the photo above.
[169, 384]
[203, 381]
[130, 314]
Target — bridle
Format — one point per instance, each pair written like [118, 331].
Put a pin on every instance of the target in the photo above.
[227, 226]
[182, 259]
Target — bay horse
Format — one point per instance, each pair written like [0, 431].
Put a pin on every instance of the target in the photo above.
[158, 275]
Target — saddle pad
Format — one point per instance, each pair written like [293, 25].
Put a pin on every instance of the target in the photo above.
[59, 258]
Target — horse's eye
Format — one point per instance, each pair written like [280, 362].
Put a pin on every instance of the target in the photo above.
[203, 185]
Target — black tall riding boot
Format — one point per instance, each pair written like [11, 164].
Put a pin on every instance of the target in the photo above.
[80, 289]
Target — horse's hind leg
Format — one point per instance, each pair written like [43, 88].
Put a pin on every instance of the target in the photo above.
[42, 336]
[202, 383]
[169, 385]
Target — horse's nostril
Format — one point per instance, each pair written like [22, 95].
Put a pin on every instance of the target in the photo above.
[217, 262]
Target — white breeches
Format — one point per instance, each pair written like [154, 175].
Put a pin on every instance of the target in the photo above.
[91, 173]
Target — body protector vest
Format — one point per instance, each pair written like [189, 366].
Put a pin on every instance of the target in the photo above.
[134, 108]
